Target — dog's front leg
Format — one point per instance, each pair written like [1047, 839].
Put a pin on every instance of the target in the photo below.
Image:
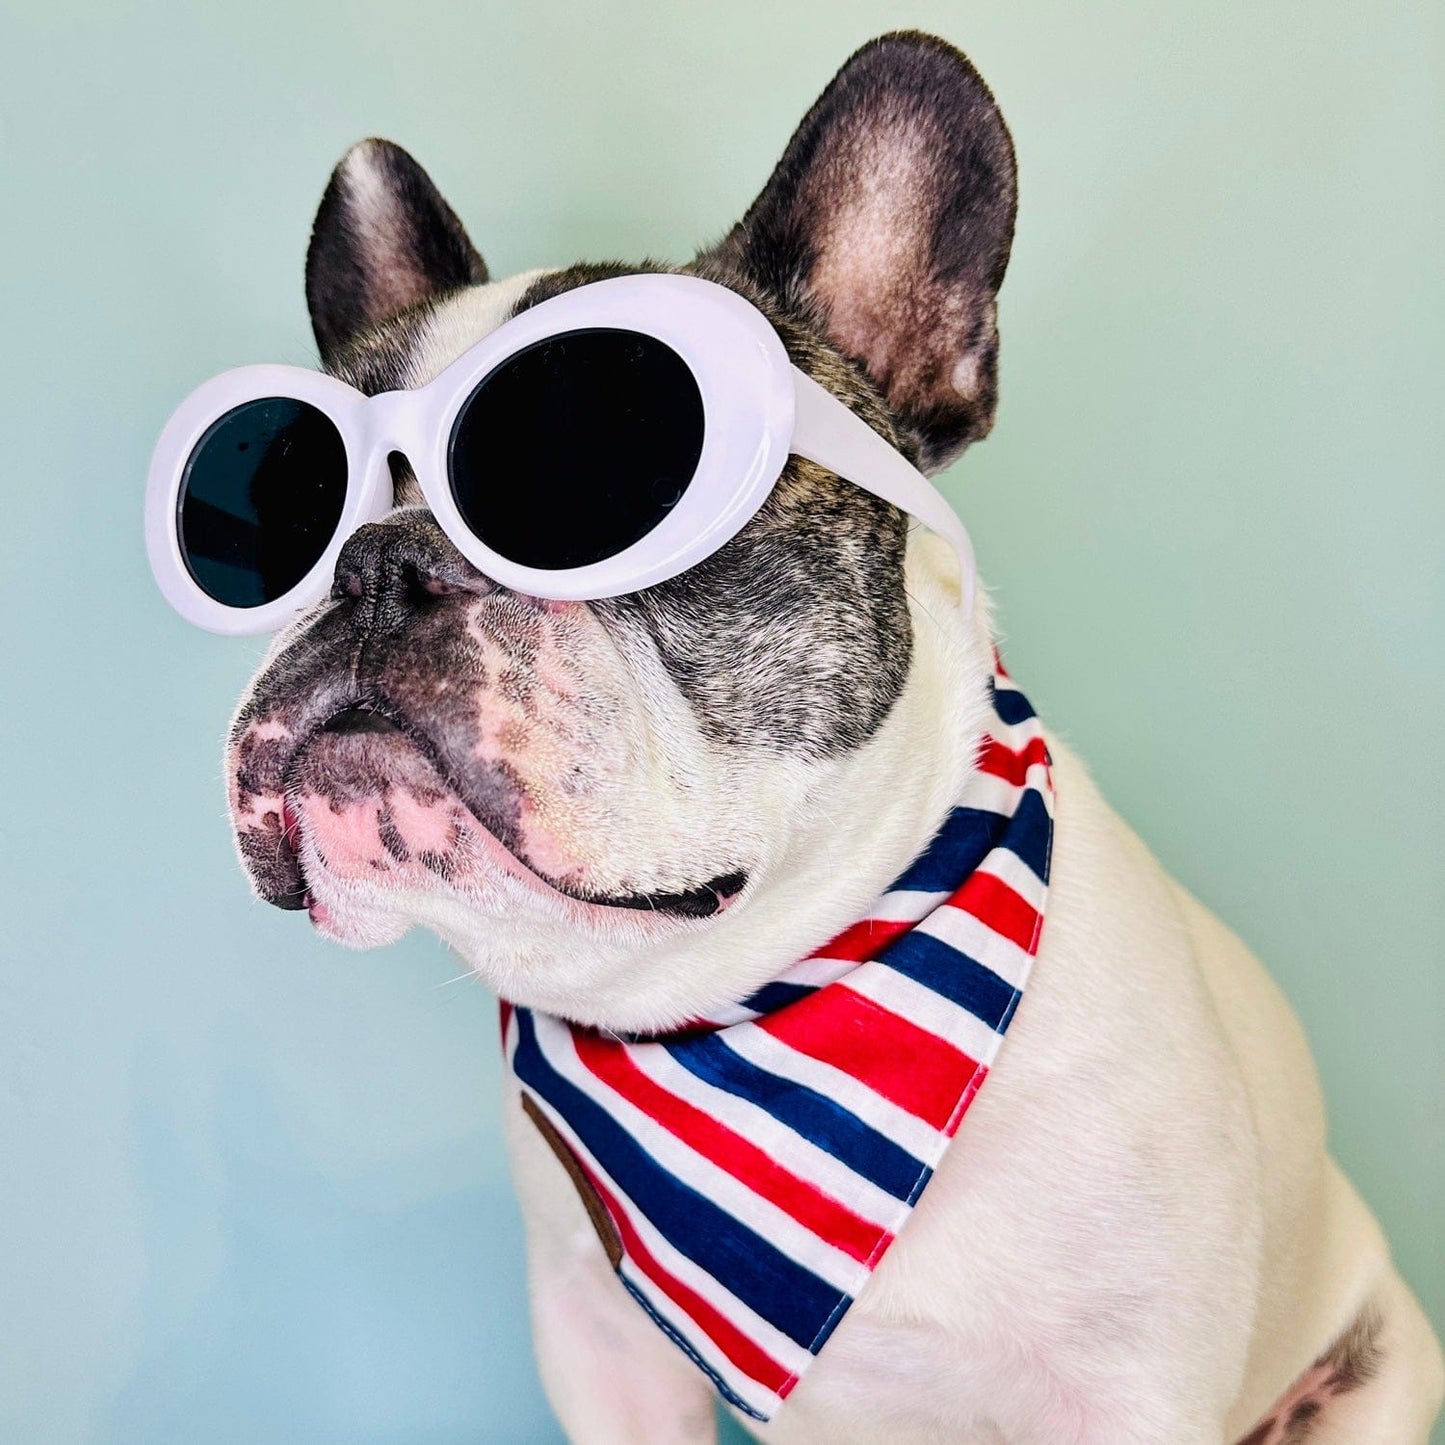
[611, 1375]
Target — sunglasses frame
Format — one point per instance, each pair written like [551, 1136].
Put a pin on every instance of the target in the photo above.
[757, 407]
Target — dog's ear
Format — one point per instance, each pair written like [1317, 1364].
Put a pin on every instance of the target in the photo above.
[889, 221]
[384, 239]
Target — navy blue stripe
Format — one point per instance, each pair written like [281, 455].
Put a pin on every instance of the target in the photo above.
[781, 1290]
[951, 973]
[813, 1115]
[1013, 707]
[773, 996]
[1029, 832]
[960, 845]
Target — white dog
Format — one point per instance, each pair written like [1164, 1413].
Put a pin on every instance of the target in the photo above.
[632, 814]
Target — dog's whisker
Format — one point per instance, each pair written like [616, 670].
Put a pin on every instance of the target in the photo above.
[459, 978]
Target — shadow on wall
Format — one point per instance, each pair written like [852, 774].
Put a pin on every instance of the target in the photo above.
[308, 1316]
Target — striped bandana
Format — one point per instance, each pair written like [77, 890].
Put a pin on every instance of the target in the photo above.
[746, 1175]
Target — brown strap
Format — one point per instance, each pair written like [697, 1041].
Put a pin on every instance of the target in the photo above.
[591, 1201]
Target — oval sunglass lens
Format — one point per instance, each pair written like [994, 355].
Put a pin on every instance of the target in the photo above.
[261, 498]
[576, 447]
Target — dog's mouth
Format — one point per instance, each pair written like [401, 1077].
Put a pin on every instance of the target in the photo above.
[374, 798]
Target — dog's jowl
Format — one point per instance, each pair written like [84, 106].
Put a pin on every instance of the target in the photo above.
[865, 1071]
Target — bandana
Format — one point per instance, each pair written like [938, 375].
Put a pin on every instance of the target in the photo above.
[747, 1174]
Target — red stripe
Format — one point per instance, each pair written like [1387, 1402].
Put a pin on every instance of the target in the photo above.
[1012, 764]
[743, 1352]
[990, 900]
[917, 1070]
[863, 941]
[506, 1019]
[825, 1216]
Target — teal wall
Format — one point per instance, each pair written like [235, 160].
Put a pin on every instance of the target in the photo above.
[251, 1186]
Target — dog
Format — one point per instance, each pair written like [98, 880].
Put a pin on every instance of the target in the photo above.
[630, 814]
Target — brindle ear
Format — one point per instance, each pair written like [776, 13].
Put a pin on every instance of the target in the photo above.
[889, 220]
[384, 239]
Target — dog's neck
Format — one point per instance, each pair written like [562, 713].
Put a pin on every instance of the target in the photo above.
[851, 826]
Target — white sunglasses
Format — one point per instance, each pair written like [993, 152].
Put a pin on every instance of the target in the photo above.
[598, 443]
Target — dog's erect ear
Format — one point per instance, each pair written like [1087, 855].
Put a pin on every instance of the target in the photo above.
[384, 239]
[889, 219]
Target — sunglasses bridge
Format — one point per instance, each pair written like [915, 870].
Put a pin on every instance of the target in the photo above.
[394, 422]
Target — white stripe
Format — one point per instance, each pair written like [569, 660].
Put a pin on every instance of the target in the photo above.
[1025, 730]
[708, 1178]
[930, 1011]
[968, 935]
[902, 905]
[733, 1013]
[798, 1154]
[1006, 865]
[811, 972]
[992, 794]
[1002, 682]
[766, 1336]
[905, 905]
[904, 1129]
[815, 972]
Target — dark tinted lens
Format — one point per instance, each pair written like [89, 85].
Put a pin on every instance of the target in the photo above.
[572, 450]
[260, 500]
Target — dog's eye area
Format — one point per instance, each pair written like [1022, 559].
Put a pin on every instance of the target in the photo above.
[260, 499]
[575, 448]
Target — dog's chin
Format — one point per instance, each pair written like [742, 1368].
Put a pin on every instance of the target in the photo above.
[383, 840]
[356, 917]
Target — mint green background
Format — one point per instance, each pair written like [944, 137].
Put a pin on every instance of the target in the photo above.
[251, 1186]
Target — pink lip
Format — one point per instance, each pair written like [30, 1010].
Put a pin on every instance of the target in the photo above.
[492, 853]
[492, 856]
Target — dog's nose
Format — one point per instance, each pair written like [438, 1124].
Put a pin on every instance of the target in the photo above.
[395, 567]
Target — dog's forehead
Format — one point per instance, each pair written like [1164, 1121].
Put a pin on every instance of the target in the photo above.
[414, 347]
[463, 319]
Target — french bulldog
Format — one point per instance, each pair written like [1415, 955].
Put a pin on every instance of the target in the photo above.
[631, 813]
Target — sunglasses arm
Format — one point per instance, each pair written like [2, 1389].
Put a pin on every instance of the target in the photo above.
[829, 433]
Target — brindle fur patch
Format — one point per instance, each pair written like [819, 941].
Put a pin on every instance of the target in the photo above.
[1348, 1365]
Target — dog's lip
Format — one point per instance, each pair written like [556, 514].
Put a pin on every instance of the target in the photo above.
[370, 715]
[359, 717]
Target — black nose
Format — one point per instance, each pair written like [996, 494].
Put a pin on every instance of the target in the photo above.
[396, 567]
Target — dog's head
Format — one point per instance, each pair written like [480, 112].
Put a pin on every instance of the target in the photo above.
[608, 806]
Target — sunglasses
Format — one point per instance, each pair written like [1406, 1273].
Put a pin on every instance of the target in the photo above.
[598, 443]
